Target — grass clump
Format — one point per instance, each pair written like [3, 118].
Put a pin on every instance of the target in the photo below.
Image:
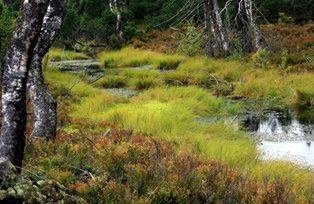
[57, 54]
[113, 81]
[295, 89]
[262, 85]
[130, 57]
[142, 80]
[200, 101]
[68, 85]
[144, 83]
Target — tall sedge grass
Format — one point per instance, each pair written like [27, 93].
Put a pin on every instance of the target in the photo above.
[57, 54]
[200, 101]
[248, 81]
[169, 114]
[130, 57]
[295, 89]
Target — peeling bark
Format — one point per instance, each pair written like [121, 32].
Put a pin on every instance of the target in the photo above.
[12, 140]
[44, 105]
[217, 43]
[250, 34]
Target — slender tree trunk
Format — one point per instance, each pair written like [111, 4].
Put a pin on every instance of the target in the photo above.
[44, 105]
[216, 37]
[248, 29]
[12, 140]
[115, 8]
[209, 47]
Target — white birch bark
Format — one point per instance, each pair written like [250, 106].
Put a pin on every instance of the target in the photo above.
[12, 139]
[44, 105]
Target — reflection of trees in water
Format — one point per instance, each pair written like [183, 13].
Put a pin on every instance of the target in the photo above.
[251, 123]
[305, 115]
[279, 125]
[285, 117]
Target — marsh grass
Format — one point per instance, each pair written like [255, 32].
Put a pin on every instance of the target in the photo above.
[114, 81]
[223, 77]
[161, 113]
[294, 89]
[57, 54]
[130, 57]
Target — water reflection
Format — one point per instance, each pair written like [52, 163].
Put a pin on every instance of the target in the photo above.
[285, 135]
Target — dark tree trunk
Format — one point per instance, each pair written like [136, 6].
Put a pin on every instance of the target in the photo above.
[44, 105]
[250, 34]
[216, 38]
[12, 140]
[7, 2]
[209, 48]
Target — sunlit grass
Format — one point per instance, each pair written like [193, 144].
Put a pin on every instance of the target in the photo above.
[169, 113]
[295, 89]
[130, 57]
[57, 54]
[137, 80]
[200, 101]
[248, 81]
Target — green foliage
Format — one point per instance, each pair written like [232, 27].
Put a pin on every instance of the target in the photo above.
[192, 43]
[261, 58]
[284, 56]
[283, 18]
[7, 24]
[301, 9]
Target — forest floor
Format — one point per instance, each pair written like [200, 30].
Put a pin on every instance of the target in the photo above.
[136, 132]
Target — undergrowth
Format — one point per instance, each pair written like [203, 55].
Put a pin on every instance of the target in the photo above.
[152, 148]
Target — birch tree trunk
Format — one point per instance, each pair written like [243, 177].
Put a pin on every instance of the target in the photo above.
[248, 29]
[216, 38]
[44, 105]
[12, 140]
[116, 8]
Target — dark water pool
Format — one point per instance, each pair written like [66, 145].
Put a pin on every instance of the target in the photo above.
[284, 134]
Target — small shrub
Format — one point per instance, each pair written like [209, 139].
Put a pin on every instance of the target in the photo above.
[284, 59]
[192, 43]
[114, 192]
[261, 58]
[222, 89]
[167, 195]
[284, 18]
[237, 45]
[168, 64]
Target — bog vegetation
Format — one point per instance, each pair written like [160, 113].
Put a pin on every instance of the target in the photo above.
[138, 133]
